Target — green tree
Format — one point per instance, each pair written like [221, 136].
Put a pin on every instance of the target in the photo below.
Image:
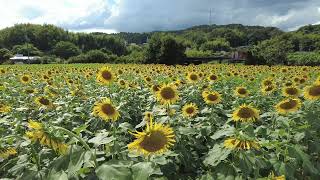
[165, 49]
[272, 51]
[26, 49]
[219, 44]
[5, 54]
[66, 50]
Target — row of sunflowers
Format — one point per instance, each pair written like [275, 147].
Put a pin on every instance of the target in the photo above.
[116, 121]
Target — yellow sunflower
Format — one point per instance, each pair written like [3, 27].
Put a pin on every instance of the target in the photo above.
[245, 113]
[39, 134]
[288, 106]
[212, 97]
[212, 78]
[155, 139]
[312, 92]
[238, 144]
[105, 76]
[267, 90]
[291, 91]
[192, 77]
[4, 108]
[274, 177]
[44, 102]
[25, 79]
[241, 92]
[167, 94]
[190, 110]
[105, 110]
[7, 152]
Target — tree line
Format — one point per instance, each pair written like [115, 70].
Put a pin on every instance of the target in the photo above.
[264, 45]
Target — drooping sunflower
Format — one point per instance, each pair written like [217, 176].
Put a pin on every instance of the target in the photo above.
[288, 106]
[212, 97]
[193, 77]
[241, 92]
[25, 79]
[190, 110]
[105, 76]
[291, 91]
[167, 94]
[4, 108]
[106, 110]
[7, 152]
[155, 139]
[312, 92]
[39, 134]
[43, 102]
[272, 176]
[245, 113]
[238, 144]
[31, 91]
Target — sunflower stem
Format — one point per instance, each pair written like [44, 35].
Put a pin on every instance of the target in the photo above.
[37, 159]
[86, 146]
[114, 141]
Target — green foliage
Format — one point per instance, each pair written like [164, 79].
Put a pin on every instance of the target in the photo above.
[66, 50]
[304, 58]
[26, 49]
[272, 51]
[219, 44]
[164, 49]
[5, 54]
[93, 56]
[198, 53]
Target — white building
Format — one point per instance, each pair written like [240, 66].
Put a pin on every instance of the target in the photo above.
[20, 59]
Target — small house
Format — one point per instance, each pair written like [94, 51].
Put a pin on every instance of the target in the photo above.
[21, 59]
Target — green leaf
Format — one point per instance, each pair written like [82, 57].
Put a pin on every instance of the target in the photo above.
[223, 132]
[216, 155]
[297, 152]
[101, 138]
[144, 170]
[114, 170]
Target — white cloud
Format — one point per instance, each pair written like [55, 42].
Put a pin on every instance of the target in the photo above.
[108, 31]
[59, 12]
[150, 15]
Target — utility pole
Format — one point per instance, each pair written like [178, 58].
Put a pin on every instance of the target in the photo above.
[27, 43]
[210, 17]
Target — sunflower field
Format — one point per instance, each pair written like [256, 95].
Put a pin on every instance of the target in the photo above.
[115, 121]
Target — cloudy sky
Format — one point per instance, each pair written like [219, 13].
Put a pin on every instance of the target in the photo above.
[150, 15]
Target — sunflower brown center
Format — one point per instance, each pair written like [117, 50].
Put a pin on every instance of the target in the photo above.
[44, 101]
[106, 75]
[193, 77]
[246, 112]
[108, 109]
[314, 90]
[213, 77]
[25, 78]
[289, 104]
[269, 88]
[212, 97]
[167, 93]
[292, 91]
[153, 142]
[30, 91]
[190, 110]
[267, 83]
[242, 91]
[122, 82]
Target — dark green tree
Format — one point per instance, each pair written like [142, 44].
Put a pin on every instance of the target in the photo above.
[5, 54]
[66, 50]
[26, 49]
[165, 49]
